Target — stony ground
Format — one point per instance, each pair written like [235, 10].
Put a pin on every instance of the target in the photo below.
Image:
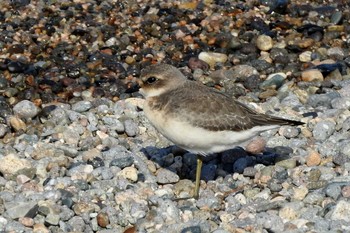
[78, 155]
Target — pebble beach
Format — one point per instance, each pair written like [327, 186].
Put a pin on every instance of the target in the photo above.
[77, 153]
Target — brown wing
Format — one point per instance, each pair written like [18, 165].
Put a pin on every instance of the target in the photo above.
[225, 113]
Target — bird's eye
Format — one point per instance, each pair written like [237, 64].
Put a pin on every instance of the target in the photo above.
[151, 80]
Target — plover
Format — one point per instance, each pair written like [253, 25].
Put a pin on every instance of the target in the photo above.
[197, 118]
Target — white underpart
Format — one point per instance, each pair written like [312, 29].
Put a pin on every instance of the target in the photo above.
[198, 140]
[152, 92]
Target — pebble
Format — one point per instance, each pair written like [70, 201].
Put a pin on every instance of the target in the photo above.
[11, 163]
[131, 128]
[19, 209]
[323, 130]
[256, 146]
[305, 56]
[312, 75]
[264, 42]
[165, 176]
[341, 211]
[81, 106]
[129, 173]
[313, 159]
[17, 124]
[211, 58]
[25, 109]
[274, 81]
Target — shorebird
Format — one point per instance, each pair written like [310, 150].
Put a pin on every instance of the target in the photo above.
[197, 118]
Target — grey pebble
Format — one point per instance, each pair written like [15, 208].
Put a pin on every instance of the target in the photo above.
[122, 161]
[333, 191]
[81, 106]
[19, 209]
[52, 219]
[131, 128]
[323, 130]
[77, 224]
[3, 130]
[165, 176]
[25, 109]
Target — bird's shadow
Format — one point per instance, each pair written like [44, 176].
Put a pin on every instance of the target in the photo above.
[235, 160]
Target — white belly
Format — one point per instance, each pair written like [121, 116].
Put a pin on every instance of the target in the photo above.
[198, 140]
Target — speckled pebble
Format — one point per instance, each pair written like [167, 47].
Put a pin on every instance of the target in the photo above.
[264, 42]
[165, 176]
[129, 173]
[131, 128]
[323, 130]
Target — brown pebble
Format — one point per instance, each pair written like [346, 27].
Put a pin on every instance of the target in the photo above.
[256, 146]
[313, 159]
[312, 75]
[40, 228]
[102, 220]
[17, 123]
[21, 179]
[25, 221]
[130, 230]
[346, 191]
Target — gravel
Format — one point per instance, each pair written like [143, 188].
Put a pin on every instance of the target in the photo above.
[78, 155]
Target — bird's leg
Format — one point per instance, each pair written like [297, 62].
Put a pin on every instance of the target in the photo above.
[198, 181]
[198, 176]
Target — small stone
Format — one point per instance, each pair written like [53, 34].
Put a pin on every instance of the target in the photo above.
[102, 220]
[313, 159]
[21, 179]
[333, 191]
[25, 109]
[17, 123]
[25, 221]
[300, 193]
[40, 228]
[129, 173]
[336, 53]
[312, 75]
[249, 172]
[305, 56]
[19, 209]
[244, 71]
[323, 130]
[264, 42]
[256, 146]
[287, 163]
[346, 191]
[81, 106]
[10, 164]
[273, 81]
[131, 128]
[212, 58]
[341, 211]
[208, 172]
[289, 132]
[290, 211]
[3, 130]
[122, 162]
[52, 219]
[165, 176]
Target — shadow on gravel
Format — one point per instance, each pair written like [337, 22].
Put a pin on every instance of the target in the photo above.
[228, 162]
